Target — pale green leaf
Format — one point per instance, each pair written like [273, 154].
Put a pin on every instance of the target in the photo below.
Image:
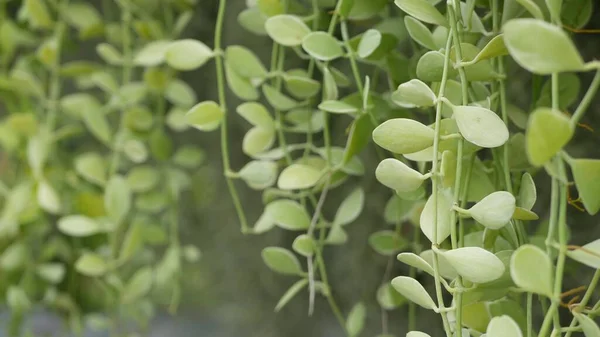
[298, 176]
[78, 226]
[355, 322]
[548, 132]
[403, 135]
[287, 30]
[117, 198]
[419, 33]
[91, 264]
[589, 254]
[475, 264]
[187, 54]
[413, 93]
[322, 46]
[205, 116]
[351, 207]
[413, 291]
[503, 326]
[586, 173]
[398, 176]
[422, 10]
[282, 261]
[290, 293]
[495, 210]
[531, 270]
[369, 42]
[427, 223]
[480, 126]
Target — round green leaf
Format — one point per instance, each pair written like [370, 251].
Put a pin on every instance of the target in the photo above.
[480, 126]
[258, 140]
[282, 261]
[350, 208]
[413, 291]
[91, 264]
[288, 214]
[152, 54]
[338, 107]
[413, 93]
[259, 174]
[142, 178]
[356, 319]
[205, 116]
[503, 326]
[398, 176]
[589, 327]
[117, 198]
[244, 62]
[51, 272]
[416, 261]
[422, 10]
[278, 100]
[256, 114]
[531, 270]
[287, 30]
[187, 54]
[388, 298]
[369, 42]
[589, 254]
[403, 135]
[527, 192]
[586, 173]
[252, 20]
[300, 85]
[78, 226]
[495, 210]
[419, 33]
[322, 46]
[444, 207]
[304, 245]
[298, 176]
[548, 132]
[475, 264]
[541, 47]
[47, 198]
[386, 242]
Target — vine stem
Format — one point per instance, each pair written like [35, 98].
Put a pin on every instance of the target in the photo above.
[587, 99]
[223, 104]
[55, 84]
[434, 183]
[334, 307]
[586, 298]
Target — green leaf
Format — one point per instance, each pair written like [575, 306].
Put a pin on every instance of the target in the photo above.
[503, 326]
[180, 93]
[589, 327]
[91, 167]
[244, 62]
[413, 291]
[290, 293]
[532, 8]
[388, 298]
[351, 207]
[370, 40]
[189, 157]
[117, 198]
[259, 174]
[527, 192]
[531, 270]
[205, 116]
[495, 210]
[135, 150]
[540, 47]
[270, 7]
[322, 46]
[304, 245]
[398, 176]
[133, 239]
[109, 54]
[338, 107]
[586, 173]
[386, 242]
[287, 30]
[444, 206]
[278, 100]
[300, 85]
[152, 54]
[258, 140]
[298, 176]
[47, 198]
[419, 33]
[288, 214]
[403, 135]
[252, 20]
[241, 87]
[430, 67]
[475, 264]
[589, 254]
[78, 226]
[548, 132]
[480, 126]
[524, 214]
[359, 136]
[330, 87]
[37, 13]
[187, 54]
[416, 261]
[96, 122]
[413, 93]
[256, 114]
[139, 285]
[282, 261]
[355, 322]
[14, 256]
[51, 272]
[91, 264]
[17, 299]
[494, 48]
[422, 10]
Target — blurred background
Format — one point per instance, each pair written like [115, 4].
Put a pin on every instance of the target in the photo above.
[230, 292]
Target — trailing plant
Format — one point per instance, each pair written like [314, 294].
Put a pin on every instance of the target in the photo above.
[427, 81]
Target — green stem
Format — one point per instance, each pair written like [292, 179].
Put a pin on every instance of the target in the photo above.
[529, 314]
[223, 103]
[586, 298]
[587, 99]
[55, 83]
[334, 307]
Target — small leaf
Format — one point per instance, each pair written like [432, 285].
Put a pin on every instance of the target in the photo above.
[78, 226]
[258, 140]
[205, 116]
[480, 126]
[589, 327]
[413, 291]
[548, 132]
[133, 240]
[256, 114]
[278, 100]
[413, 93]
[300, 85]
[51, 272]
[282, 261]
[540, 47]
[259, 174]
[531, 270]
[386, 242]
[356, 319]
[109, 54]
[96, 122]
[444, 206]
[139, 285]
[475, 264]
[416, 261]
[252, 20]
[524, 214]
[503, 326]
[244, 62]
[398, 176]
[287, 30]
[351, 207]
[322, 46]
[532, 8]
[494, 48]
[419, 33]
[527, 192]
[17, 299]
[422, 10]
[586, 173]
[358, 138]
[416, 334]
[298, 176]
[288, 214]
[47, 198]
[117, 198]
[189, 157]
[152, 54]
[338, 107]
[369, 42]
[290, 293]
[187, 54]
[430, 67]
[304, 245]
[403, 135]
[495, 210]
[388, 298]
[589, 254]
[91, 264]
